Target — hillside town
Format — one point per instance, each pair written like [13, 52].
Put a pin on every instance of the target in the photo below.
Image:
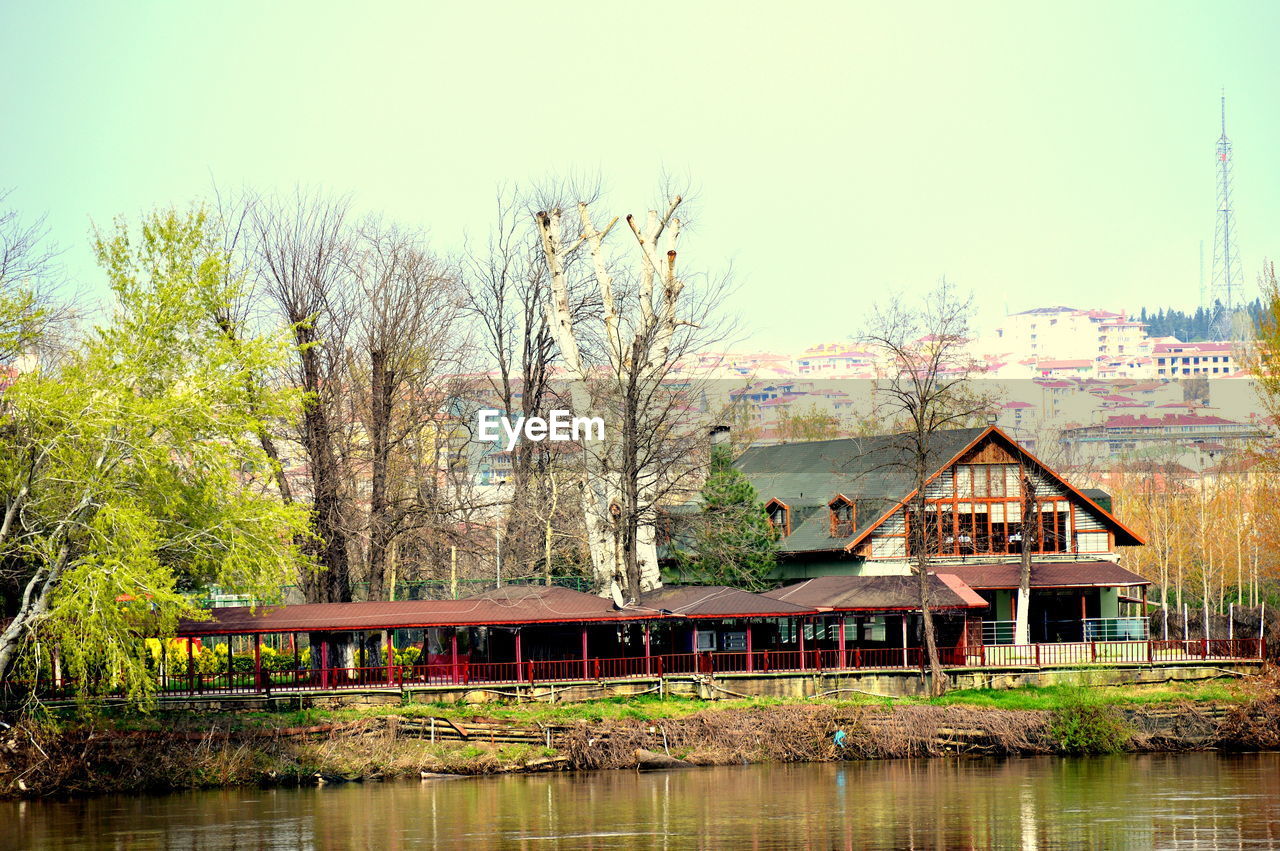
[1130, 397]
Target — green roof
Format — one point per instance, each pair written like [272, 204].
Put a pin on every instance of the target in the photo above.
[877, 473]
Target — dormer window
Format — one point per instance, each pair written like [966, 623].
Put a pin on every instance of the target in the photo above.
[843, 517]
[779, 517]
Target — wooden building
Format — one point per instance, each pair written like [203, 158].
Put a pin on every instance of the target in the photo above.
[844, 507]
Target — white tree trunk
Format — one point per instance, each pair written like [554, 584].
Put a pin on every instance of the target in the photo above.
[596, 495]
[603, 489]
[1022, 617]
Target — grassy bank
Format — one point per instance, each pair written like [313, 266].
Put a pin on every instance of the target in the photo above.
[651, 708]
[67, 753]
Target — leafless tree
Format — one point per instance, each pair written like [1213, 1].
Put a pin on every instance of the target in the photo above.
[622, 364]
[405, 342]
[33, 315]
[302, 246]
[507, 301]
[926, 385]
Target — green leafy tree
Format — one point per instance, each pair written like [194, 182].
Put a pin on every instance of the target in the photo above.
[131, 475]
[731, 541]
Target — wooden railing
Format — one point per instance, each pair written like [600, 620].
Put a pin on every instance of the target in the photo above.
[463, 671]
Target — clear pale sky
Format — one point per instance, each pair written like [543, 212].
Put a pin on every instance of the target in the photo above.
[1034, 153]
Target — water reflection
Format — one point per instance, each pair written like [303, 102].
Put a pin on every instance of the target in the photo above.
[1188, 800]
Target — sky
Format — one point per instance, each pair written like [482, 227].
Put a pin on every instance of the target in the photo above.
[839, 154]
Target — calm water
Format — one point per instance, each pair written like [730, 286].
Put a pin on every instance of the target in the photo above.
[1188, 800]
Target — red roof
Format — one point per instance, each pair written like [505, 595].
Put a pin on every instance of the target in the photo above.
[1143, 421]
[878, 593]
[511, 604]
[1193, 349]
[714, 601]
[1064, 574]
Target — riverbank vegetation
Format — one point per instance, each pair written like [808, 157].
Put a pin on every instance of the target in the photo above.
[125, 751]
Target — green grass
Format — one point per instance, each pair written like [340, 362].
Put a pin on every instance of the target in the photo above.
[652, 708]
[1051, 698]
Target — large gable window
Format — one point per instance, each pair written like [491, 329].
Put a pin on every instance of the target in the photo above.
[843, 517]
[983, 516]
[779, 517]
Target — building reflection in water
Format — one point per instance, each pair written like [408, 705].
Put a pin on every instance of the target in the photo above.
[1183, 800]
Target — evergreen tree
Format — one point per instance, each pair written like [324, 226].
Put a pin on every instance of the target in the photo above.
[730, 541]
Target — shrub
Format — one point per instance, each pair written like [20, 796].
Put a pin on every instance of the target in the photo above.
[1083, 724]
[408, 656]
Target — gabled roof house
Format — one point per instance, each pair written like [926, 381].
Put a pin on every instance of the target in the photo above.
[843, 507]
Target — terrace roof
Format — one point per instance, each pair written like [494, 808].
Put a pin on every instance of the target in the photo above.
[878, 593]
[716, 601]
[511, 604]
[1062, 574]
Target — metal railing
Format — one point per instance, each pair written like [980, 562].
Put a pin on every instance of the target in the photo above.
[1116, 629]
[997, 632]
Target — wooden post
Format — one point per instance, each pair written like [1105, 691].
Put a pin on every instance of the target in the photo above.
[257, 661]
[843, 660]
[750, 650]
[191, 665]
[297, 657]
[324, 662]
[648, 654]
[801, 627]
[1084, 613]
[586, 670]
[231, 668]
[453, 650]
[391, 658]
[519, 657]
[905, 662]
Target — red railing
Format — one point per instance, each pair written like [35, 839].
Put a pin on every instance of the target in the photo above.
[445, 670]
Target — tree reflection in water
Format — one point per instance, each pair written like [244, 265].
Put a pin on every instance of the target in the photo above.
[1159, 800]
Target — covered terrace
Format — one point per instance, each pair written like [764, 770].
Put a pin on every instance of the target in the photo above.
[875, 620]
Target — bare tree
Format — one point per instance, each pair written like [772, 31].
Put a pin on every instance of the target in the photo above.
[926, 385]
[302, 247]
[622, 363]
[508, 302]
[1029, 533]
[405, 330]
[31, 314]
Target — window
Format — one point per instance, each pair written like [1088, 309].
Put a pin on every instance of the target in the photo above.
[984, 517]
[779, 517]
[843, 517]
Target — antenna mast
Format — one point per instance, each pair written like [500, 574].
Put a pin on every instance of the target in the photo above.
[1225, 288]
